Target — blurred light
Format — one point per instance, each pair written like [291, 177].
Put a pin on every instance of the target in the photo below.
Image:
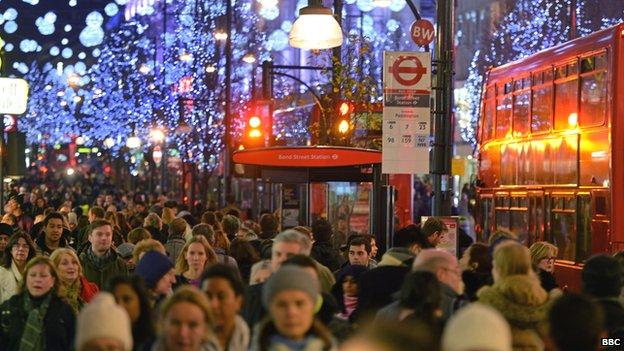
[68, 27]
[60, 93]
[249, 58]
[109, 142]
[221, 35]
[211, 69]
[48, 87]
[157, 135]
[382, 3]
[70, 171]
[573, 119]
[186, 57]
[255, 133]
[73, 79]
[343, 127]
[254, 122]
[268, 3]
[77, 99]
[133, 142]
[144, 69]
[80, 140]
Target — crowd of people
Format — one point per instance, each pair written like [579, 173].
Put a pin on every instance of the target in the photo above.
[129, 275]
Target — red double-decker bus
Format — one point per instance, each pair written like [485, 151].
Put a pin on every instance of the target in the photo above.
[551, 149]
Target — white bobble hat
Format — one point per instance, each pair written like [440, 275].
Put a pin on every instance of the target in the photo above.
[477, 327]
[103, 318]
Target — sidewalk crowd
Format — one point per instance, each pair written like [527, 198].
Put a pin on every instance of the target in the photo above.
[134, 272]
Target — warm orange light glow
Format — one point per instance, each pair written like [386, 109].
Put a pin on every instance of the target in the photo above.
[343, 127]
[255, 133]
[254, 122]
[573, 119]
[344, 108]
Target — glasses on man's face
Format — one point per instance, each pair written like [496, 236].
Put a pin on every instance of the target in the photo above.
[550, 259]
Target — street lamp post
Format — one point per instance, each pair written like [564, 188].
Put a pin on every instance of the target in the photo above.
[227, 120]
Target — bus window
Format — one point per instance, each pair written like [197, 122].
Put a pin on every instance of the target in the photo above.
[565, 162]
[541, 109]
[509, 158]
[542, 161]
[562, 227]
[490, 114]
[503, 116]
[593, 99]
[566, 104]
[594, 158]
[584, 228]
[521, 113]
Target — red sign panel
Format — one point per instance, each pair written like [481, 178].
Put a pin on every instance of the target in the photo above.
[422, 32]
[307, 157]
[405, 74]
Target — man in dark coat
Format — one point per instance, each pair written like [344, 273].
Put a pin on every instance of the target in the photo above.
[378, 285]
[601, 279]
[100, 262]
[322, 249]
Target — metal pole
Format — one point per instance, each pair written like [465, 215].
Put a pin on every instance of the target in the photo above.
[443, 111]
[227, 120]
[326, 122]
[2, 153]
[573, 25]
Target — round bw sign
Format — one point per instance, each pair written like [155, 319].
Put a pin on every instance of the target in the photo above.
[422, 32]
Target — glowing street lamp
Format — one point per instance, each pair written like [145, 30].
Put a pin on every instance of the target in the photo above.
[133, 142]
[157, 135]
[316, 28]
[249, 58]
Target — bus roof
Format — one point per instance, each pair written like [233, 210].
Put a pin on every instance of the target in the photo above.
[578, 46]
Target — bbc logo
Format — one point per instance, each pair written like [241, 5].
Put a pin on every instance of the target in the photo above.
[610, 342]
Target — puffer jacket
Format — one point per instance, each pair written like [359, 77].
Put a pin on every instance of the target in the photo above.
[524, 304]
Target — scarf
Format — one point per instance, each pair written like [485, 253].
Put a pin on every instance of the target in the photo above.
[350, 304]
[99, 262]
[72, 295]
[32, 337]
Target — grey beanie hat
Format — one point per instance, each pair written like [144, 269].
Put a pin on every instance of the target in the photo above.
[290, 278]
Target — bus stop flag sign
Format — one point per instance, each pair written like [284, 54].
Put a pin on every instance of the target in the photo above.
[406, 112]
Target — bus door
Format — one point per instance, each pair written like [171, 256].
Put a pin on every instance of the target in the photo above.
[600, 233]
[537, 216]
[484, 216]
[519, 216]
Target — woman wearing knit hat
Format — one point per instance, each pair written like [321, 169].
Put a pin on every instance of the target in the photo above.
[103, 325]
[36, 318]
[291, 297]
[157, 271]
[76, 289]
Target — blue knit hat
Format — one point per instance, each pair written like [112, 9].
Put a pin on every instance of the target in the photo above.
[152, 267]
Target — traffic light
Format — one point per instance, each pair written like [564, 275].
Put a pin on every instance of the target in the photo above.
[343, 122]
[254, 133]
[258, 124]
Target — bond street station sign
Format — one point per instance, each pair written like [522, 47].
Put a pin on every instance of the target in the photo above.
[13, 96]
[315, 156]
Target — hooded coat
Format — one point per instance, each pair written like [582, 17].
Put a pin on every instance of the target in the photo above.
[524, 304]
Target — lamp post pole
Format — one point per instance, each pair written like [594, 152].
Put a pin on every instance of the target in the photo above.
[443, 111]
[227, 120]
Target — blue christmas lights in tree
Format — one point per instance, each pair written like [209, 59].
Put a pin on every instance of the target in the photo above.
[529, 27]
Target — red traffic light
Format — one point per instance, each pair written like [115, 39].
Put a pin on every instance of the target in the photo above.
[255, 122]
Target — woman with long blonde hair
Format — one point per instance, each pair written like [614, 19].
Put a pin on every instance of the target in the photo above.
[195, 256]
[74, 286]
